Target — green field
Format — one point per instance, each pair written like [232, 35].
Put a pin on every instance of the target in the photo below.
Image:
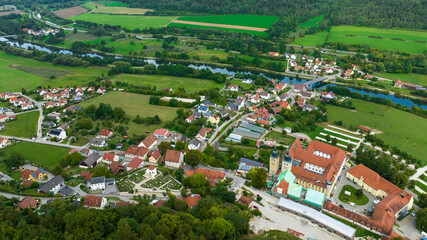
[238, 20]
[338, 34]
[313, 40]
[352, 198]
[32, 74]
[135, 104]
[129, 22]
[405, 77]
[401, 129]
[91, 5]
[24, 126]
[44, 155]
[311, 22]
[361, 35]
[160, 81]
[113, 8]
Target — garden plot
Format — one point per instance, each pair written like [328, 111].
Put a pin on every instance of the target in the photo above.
[162, 181]
[125, 185]
[138, 176]
[344, 137]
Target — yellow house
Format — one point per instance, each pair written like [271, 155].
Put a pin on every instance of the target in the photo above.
[154, 157]
[36, 175]
[214, 119]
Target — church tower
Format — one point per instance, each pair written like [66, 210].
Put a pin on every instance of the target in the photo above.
[286, 162]
[274, 162]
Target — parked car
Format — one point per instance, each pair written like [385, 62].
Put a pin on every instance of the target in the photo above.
[341, 205]
[376, 202]
[352, 204]
[256, 207]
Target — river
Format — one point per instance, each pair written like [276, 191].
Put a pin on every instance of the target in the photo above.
[229, 71]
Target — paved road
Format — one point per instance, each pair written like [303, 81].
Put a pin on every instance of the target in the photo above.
[328, 50]
[214, 138]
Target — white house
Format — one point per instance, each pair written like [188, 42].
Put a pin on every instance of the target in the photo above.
[247, 81]
[233, 88]
[161, 133]
[108, 158]
[58, 133]
[194, 144]
[53, 185]
[265, 95]
[4, 142]
[149, 142]
[99, 183]
[173, 159]
[151, 171]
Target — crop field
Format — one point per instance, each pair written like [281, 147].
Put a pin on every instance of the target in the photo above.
[44, 155]
[129, 22]
[70, 12]
[311, 22]
[389, 121]
[253, 24]
[414, 78]
[113, 8]
[160, 81]
[24, 126]
[393, 39]
[19, 72]
[384, 38]
[313, 40]
[135, 104]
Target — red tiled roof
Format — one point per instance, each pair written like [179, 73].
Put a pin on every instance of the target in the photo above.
[172, 156]
[148, 141]
[109, 157]
[263, 122]
[86, 175]
[156, 155]
[159, 204]
[92, 201]
[211, 175]
[27, 183]
[27, 202]
[364, 128]
[284, 186]
[116, 167]
[151, 167]
[372, 179]
[244, 200]
[202, 132]
[137, 151]
[192, 199]
[135, 163]
[104, 132]
[161, 131]
[26, 174]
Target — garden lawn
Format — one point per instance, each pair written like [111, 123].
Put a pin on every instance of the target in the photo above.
[129, 22]
[312, 40]
[405, 77]
[263, 34]
[362, 36]
[161, 81]
[24, 126]
[31, 74]
[311, 22]
[399, 128]
[421, 185]
[135, 104]
[352, 198]
[238, 20]
[44, 155]
[280, 137]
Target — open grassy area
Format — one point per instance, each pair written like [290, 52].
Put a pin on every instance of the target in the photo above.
[12, 79]
[238, 20]
[405, 77]
[362, 35]
[312, 40]
[160, 81]
[280, 137]
[421, 185]
[24, 126]
[113, 8]
[311, 22]
[352, 198]
[44, 155]
[219, 28]
[129, 22]
[401, 129]
[135, 104]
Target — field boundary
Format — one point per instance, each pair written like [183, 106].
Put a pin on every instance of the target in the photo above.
[255, 29]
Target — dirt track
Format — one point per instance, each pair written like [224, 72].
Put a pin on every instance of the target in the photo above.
[221, 26]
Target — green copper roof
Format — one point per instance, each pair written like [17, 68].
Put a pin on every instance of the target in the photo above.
[294, 191]
[314, 197]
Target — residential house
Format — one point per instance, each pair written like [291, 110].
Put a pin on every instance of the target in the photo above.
[263, 116]
[212, 176]
[91, 89]
[309, 107]
[233, 88]
[62, 102]
[245, 200]
[48, 105]
[27, 106]
[86, 152]
[27, 202]
[116, 168]
[101, 90]
[6, 95]
[34, 175]
[201, 135]
[273, 54]
[4, 118]
[348, 73]
[300, 87]
[59, 133]
[255, 98]
[192, 200]
[90, 161]
[328, 95]
[214, 119]
[53, 185]
[247, 81]
[301, 102]
[98, 142]
[155, 156]
[398, 84]
[161, 133]
[4, 142]
[100, 183]
[306, 94]
[135, 151]
[194, 144]
[104, 133]
[86, 175]
[173, 159]
[265, 95]
[151, 171]
[134, 164]
[149, 142]
[190, 118]
[108, 158]
[95, 202]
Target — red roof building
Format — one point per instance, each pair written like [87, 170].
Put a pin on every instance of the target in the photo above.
[134, 164]
[149, 142]
[245, 200]
[211, 175]
[161, 133]
[27, 202]
[135, 151]
[105, 133]
[192, 200]
[116, 168]
[94, 201]
[86, 175]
